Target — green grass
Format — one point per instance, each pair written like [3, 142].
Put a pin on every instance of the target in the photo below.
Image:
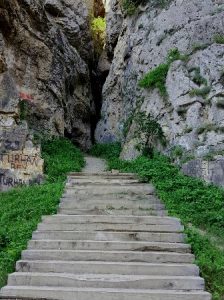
[190, 199]
[156, 79]
[21, 208]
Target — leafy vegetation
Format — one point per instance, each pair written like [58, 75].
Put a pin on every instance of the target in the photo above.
[106, 151]
[61, 157]
[130, 6]
[99, 34]
[176, 152]
[21, 208]
[156, 78]
[194, 201]
[219, 38]
[148, 131]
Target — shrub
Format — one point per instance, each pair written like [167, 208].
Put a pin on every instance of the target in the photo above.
[99, 34]
[148, 130]
[107, 151]
[60, 157]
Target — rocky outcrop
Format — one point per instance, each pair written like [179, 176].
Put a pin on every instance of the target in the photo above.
[45, 48]
[210, 171]
[114, 19]
[192, 116]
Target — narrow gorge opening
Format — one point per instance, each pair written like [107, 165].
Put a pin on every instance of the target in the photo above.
[99, 71]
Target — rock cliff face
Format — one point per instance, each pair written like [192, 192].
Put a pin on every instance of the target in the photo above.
[45, 48]
[192, 115]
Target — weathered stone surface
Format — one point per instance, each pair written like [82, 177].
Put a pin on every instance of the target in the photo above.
[114, 20]
[211, 171]
[20, 158]
[44, 53]
[44, 81]
[145, 39]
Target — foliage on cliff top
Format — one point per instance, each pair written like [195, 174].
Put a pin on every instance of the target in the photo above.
[194, 201]
[21, 208]
[130, 6]
[98, 27]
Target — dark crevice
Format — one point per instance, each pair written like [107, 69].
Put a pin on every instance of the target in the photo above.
[98, 77]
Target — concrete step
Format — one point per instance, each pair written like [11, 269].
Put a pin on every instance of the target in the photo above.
[106, 281]
[118, 204]
[100, 180]
[96, 219]
[99, 267]
[109, 236]
[111, 240]
[112, 188]
[111, 197]
[108, 246]
[110, 200]
[102, 175]
[109, 211]
[116, 256]
[110, 227]
[58, 293]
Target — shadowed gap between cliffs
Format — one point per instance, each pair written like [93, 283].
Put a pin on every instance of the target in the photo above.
[98, 77]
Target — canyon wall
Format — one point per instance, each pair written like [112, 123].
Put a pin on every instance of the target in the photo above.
[45, 52]
[191, 116]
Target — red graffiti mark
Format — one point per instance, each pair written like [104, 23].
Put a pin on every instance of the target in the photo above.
[25, 96]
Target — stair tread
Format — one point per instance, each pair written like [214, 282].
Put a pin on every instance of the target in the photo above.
[105, 289]
[106, 276]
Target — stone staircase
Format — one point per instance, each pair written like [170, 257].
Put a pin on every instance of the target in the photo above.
[111, 240]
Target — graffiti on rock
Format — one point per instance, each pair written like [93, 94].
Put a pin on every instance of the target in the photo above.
[19, 161]
[12, 182]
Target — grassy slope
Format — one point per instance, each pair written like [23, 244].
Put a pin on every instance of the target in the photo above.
[21, 209]
[192, 200]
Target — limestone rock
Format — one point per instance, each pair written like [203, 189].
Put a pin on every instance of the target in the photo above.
[20, 158]
[44, 81]
[114, 20]
[192, 116]
[210, 171]
[44, 55]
